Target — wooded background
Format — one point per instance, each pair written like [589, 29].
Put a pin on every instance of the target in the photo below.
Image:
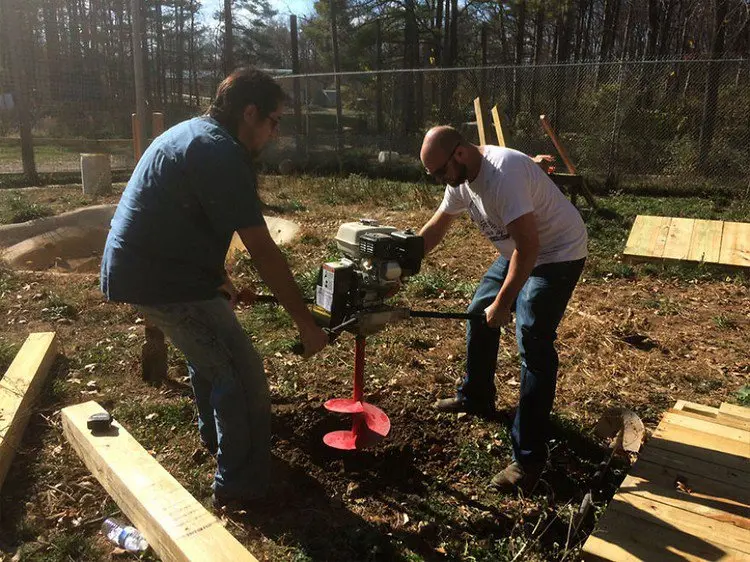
[641, 87]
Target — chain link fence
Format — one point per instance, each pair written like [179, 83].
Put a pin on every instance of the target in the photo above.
[674, 125]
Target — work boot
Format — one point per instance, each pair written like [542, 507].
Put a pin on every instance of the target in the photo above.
[515, 477]
[458, 404]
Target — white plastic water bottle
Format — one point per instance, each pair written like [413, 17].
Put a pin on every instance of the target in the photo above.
[125, 536]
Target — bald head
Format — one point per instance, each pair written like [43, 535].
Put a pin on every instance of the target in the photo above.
[437, 145]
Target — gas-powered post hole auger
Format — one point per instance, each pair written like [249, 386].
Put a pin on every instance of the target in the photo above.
[351, 295]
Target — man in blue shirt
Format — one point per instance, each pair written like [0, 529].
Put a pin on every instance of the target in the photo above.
[192, 189]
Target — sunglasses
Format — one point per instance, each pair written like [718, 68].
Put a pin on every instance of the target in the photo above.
[440, 172]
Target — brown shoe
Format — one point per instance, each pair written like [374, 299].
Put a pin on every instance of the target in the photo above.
[514, 478]
[457, 405]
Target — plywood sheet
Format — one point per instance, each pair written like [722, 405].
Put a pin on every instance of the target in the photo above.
[735, 244]
[648, 237]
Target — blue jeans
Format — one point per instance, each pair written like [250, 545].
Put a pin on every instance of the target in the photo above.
[539, 308]
[231, 391]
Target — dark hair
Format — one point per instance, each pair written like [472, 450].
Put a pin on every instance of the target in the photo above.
[246, 86]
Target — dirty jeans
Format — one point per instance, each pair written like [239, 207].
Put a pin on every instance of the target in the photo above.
[231, 391]
[539, 308]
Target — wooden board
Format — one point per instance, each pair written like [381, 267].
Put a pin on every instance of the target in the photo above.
[176, 526]
[19, 389]
[660, 513]
[709, 426]
[668, 238]
[686, 498]
[727, 421]
[480, 121]
[677, 246]
[735, 244]
[705, 242]
[647, 237]
[498, 127]
[685, 459]
[691, 484]
[734, 411]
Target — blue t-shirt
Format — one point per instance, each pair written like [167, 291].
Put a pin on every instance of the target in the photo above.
[192, 188]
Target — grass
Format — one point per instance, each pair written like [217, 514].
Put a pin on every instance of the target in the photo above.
[408, 366]
[724, 322]
[438, 284]
[64, 547]
[58, 309]
[609, 227]
[16, 208]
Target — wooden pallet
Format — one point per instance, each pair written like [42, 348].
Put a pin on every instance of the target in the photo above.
[688, 495]
[671, 238]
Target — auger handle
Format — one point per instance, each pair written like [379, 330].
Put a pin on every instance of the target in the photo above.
[477, 316]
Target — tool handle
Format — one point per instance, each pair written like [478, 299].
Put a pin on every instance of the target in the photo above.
[333, 333]
[478, 316]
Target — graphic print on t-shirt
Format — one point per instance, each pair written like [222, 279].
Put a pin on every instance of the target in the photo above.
[494, 232]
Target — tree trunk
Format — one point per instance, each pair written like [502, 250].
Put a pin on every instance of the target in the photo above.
[379, 122]
[410, 60]
[161, 86]
[565, 26]
[611, 13]
[179, 17]
[193, 58]
[337, 78]
[19, 44]
[711, 95]
[446, 61]
[228, 40]
[520, 29]
[52, 43]
[538, 46]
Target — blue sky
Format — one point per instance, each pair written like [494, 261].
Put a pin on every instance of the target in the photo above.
[283, 7]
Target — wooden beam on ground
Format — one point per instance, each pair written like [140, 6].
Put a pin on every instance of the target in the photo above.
[480, 121]
[498, 126]
[19, 389]
[176, 526]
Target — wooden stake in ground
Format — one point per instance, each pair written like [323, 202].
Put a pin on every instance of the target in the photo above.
[480, 121]
[177, 527]
[157, 123]
[137, 138]
[19, 389]
[498, 127]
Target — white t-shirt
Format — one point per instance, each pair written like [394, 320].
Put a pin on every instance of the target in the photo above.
[509, 185]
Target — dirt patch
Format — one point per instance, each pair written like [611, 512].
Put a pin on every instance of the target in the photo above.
[72, 242]
[638, 343]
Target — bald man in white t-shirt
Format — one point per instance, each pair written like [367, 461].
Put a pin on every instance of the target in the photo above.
[542, 242]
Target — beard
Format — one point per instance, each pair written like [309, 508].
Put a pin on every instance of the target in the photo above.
[461, 176]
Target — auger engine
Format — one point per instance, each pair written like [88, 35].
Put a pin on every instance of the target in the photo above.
[376, 260]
